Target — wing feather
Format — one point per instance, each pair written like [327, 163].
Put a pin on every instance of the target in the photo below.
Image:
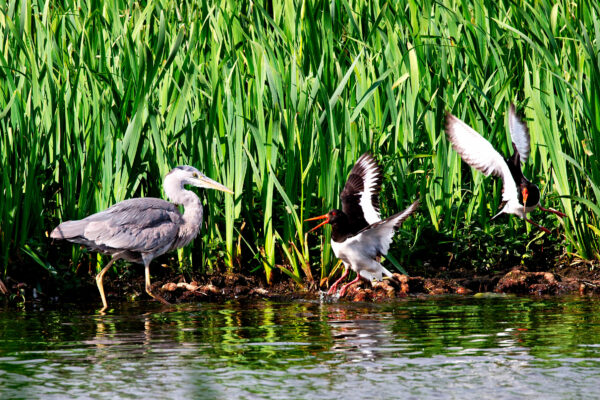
[480, 154]
[376, 238]
[519, 134]
[360, 197]
[141, 225]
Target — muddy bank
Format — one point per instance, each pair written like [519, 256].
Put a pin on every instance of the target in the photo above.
[515, 281]
[221, 287]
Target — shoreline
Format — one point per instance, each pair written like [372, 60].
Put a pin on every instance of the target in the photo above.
[217, 287]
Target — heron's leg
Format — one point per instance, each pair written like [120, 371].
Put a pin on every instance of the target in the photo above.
[345, 287]
[553, 211]
[99, 278]
[333, 287]
[154, 296]
[541, 228]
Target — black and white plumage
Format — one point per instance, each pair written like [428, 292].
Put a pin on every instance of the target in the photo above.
[519, 195]
[360, 196]
[141, 229]
[359, 236]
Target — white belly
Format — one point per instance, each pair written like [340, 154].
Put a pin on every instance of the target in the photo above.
[355, 256]
[515, 208]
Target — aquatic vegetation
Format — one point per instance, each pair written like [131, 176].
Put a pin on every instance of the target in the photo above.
[277, 101]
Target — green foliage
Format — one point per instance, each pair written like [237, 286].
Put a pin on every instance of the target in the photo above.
[98, 100]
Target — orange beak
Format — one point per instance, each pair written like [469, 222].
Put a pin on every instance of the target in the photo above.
[525, 194]
[325, 217]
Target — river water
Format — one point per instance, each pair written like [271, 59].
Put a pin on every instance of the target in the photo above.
[432, 347]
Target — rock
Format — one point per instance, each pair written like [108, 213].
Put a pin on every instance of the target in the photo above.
[169, 287]
[513, 282]
[210, 288]
[192, 287]
[522, 282]
[260, 291]
[462, 290]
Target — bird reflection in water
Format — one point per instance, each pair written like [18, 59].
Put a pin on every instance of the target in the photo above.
[359, 339]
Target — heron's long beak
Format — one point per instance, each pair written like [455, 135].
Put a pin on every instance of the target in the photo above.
[525, 194]
[208, 183]
[325, 217]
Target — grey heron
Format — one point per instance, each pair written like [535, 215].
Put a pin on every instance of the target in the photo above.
[141, 229]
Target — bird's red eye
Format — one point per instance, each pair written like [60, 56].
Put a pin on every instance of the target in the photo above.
[333, 213]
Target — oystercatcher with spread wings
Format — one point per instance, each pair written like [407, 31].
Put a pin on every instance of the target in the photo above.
[519, 196]
[359, 236]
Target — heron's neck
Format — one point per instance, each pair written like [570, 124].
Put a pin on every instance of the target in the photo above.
[192, 214]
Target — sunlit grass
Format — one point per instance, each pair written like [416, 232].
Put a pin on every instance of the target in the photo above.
[98, 101]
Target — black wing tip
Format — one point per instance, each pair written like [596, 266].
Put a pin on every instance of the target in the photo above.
[413, 207]
[409, 211]
[366, 155]
[367, 161]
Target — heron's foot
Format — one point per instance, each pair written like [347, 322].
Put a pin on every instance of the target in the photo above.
[157, 297]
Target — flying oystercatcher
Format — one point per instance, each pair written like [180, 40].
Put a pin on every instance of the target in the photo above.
[519, 196]
[359, 237]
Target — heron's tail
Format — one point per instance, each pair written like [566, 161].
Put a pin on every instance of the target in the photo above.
[69, 230]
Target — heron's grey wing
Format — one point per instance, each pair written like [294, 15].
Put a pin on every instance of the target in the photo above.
[519, 134]
[376, 238]
[144, 225]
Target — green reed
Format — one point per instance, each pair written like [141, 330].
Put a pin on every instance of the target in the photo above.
[277, 101]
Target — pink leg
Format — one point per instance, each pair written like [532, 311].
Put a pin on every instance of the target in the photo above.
[550, 210]
[333, 287]
[345, 287]
[541, 228]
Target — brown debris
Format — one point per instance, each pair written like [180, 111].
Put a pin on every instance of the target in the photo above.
[384, 288]
[169, 287]
[218, 287]
[523, 282]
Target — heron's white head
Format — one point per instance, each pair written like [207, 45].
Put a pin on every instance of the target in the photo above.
[187, 175]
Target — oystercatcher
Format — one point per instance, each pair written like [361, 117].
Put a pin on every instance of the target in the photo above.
[359, 237]
[519, 196]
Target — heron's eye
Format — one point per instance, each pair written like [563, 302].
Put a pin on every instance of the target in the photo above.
[195, 175]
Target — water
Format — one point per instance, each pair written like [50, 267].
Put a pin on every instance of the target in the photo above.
[450, 347]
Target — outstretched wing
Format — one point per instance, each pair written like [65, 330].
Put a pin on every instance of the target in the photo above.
[140, 225]
[360, 197]
[479, 154]
[519, 134]
[376, 238]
